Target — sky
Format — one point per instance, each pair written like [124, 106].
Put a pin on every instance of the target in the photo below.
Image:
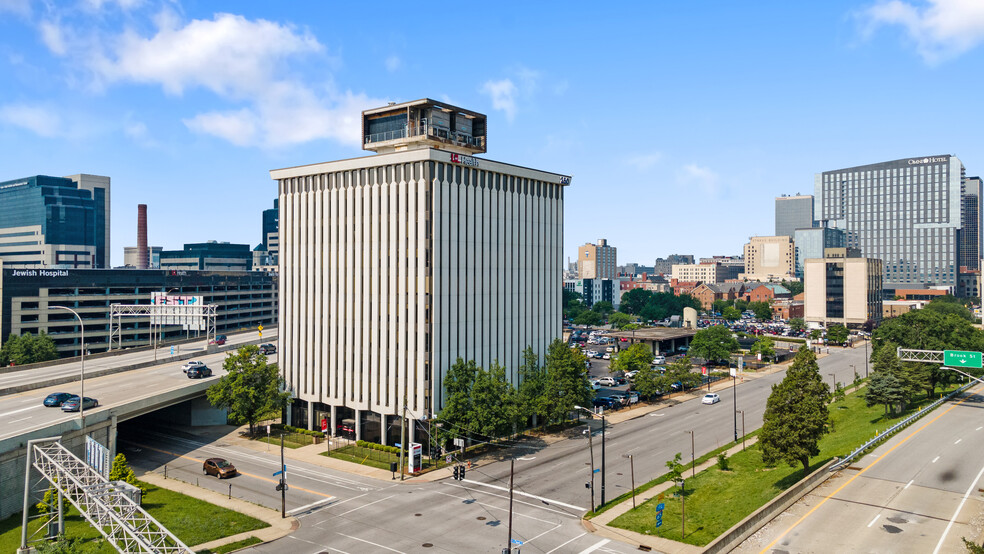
[680, 122]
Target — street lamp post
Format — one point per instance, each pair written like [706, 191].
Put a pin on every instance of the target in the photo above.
[734, 390]
[693, 465]
[866, 357]
[742, 430]
[81, 362]
[602, 415]
[833, 381]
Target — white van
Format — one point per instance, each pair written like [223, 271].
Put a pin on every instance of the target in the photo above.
[659, 360]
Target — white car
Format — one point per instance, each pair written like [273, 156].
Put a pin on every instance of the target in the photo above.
[192, 364]
[606, 356]
[595, 385]
[607, 381]
[710, 398]
[657, 360]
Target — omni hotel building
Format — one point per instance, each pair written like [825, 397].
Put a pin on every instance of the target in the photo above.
[395, 265]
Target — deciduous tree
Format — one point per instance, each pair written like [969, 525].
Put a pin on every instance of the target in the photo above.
[250, 389]
[567, 381]
[714, 343]
[796, 415]
[28, 349]
[766, 347]
[837, 334]
[619, 320]
[762, 310]
[633, 358]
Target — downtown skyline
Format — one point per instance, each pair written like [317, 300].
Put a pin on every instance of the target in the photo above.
[653, 110]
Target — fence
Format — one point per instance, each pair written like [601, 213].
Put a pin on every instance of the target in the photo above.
[900, 425]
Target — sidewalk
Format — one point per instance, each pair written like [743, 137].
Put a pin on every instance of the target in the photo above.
[279, 527]
[599, 524]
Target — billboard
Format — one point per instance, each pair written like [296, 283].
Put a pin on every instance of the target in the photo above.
[179, 309]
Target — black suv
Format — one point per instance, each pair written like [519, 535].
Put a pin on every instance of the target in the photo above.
[199, 372]
[267, 349]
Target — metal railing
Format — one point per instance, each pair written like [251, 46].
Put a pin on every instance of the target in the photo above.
[433, 131]
[895, 428]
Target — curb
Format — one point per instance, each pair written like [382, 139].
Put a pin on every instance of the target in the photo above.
[279, 527]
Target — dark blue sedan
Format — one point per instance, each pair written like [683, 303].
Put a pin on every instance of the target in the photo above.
[56, 399]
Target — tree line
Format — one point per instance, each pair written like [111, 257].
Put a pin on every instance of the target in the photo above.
[483, 403]
[27, 349]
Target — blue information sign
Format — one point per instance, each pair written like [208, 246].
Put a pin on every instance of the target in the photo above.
[660, 507]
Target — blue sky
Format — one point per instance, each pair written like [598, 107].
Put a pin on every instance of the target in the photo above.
[680, 122]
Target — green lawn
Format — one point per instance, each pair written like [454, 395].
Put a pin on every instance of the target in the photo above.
[191, 520]
[367, 456]
[716, 500]
[231, 546]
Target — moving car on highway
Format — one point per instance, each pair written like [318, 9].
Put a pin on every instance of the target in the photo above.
[72, 404]
[710, 398]
[56, 399]
[199, 372]
[267, 349]
[191, 364]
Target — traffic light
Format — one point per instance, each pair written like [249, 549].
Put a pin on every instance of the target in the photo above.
[457, 473]
[462, 473]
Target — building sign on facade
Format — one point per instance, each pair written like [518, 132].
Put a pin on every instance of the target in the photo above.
[464, 160]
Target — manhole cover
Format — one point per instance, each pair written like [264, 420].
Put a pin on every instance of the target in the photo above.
[417, 515]
[427, 545]
[480, 518]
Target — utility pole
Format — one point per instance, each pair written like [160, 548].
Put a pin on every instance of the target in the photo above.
[403, 443]
[283, 480]
[693, 466]
[591, 450]
[512, 469]
[734, 389]
[632, 476]
[603, 419]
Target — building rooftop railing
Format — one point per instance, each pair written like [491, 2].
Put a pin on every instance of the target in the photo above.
[433, 132]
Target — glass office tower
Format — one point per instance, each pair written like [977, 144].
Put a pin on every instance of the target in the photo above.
[905, 212]
[810, 244]
[970, 236]
[793, 212]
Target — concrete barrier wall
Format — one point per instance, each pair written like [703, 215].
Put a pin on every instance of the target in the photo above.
[748, 526]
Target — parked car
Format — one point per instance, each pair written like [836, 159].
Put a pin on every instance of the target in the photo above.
[632, 374]
[658, 360]
[191, 364]
[219, 467]
[56, 399]
[267, 349]
[606, 356]
[620, 381]
[604, 402]
[219, 340]
[621, 398]
[609, 349]
[595, 385]
[710, 398]
[607, 381]
[199, 372]
[72, 404]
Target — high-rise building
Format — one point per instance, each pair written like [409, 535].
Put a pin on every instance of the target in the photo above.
[733, 266]
[811, 243]
[271, 225]
[664, 266]
[842, 287]
[907, 213]
[597, 261]
[58, 222]
[704, 273]
[793, 212]
[396, 265]
[211, 255]
[770, 258]
[971, 232]
[131, 256]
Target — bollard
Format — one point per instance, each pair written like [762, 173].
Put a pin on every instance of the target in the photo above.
[230, 491]
[165, 472]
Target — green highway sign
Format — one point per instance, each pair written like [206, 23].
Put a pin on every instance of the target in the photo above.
[958, 358]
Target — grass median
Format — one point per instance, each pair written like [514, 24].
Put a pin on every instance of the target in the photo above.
[192, 520]
[717, 499]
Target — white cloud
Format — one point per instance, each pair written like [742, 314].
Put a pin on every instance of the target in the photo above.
[704, 179]
[503, 94]
[645, 161]
[243, 62]
[52, 37]
[941, 30]
[19, 7]
[125, 5]
[393, 63]
[40, 121]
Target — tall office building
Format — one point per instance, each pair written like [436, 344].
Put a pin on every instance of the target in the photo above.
[905, 212]
[394, 266]
[842, 287]
[664, 266]
[793, 212]
[597, 261]
[271, 224]
[971, 233]
[211, 255]
[770, 258]
[811, 243]
[58, 222]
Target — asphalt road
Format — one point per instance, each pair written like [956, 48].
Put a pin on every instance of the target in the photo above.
[126, 357]
[918, 492]
[23, 412]
[559, 471]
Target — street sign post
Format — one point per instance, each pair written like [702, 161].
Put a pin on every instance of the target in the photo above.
[959, 358]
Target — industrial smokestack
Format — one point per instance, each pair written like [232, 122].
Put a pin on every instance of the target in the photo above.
[143, 255]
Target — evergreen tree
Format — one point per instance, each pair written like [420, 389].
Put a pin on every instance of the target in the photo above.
[796, 415]
[884, 388]
[121, 471]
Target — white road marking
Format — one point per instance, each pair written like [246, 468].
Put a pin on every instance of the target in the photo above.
[566, 543]
[528, 495]
[958, 441]
[874, 520]
[530, 459]
[364, 505]
[960, 507]
[311, 505]
[596, 546]
[17, 411]
[907, 485]
[979, 428]
[528, 541]
[654, 415]
[494, 507]
[22, 419]
[936, 458]
[372, 543]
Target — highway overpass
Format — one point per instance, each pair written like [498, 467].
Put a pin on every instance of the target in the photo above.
[128, 385]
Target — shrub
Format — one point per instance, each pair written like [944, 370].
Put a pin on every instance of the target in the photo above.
[723, 461]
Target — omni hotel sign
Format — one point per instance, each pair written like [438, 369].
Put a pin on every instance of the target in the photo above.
[919, 161]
